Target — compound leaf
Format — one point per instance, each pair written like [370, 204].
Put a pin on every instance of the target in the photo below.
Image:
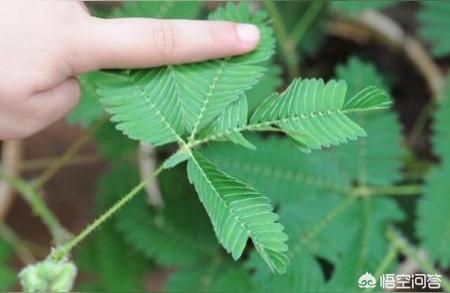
[160, 106]
[238, 213]
[313, 113]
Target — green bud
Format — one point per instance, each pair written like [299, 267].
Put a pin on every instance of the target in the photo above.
[48, 276]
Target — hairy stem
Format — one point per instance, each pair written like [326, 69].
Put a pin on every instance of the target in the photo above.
[287, 46]
[68, 155]
[58, 232]
[62, 251]
[406, 248]
[304, 24]
[268, 126]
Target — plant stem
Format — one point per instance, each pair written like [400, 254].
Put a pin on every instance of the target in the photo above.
[389, 190]
[406, 248]
[62, 251]
[43, 163]
[303, 25]
[68, 155]
[287, 46]
[327, 220]
[21, 249]
[58, 232]
[421, 123]
[387, 261]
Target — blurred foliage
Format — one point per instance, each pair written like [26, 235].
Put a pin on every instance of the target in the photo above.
[335, 236]
[435, 21]
[7, 276]
[433, 221]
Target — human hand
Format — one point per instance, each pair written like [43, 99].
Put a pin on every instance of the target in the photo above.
[45, 44]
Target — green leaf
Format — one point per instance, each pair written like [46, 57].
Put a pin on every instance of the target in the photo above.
[434, 17]
[220, 277]
[314, 113]
[233, 117]
[178, 235]
[159, 9]
[162, 105]
[112, 144]
[433, 222]
[369, 244]
[117, 268]
[239, 213]
[115, 264]
[304, 275]
[269, 83]
[278, 170]
[7, 276]
[375, 160]
[89, 109]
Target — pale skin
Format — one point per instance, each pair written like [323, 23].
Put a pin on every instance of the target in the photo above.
[46, 44]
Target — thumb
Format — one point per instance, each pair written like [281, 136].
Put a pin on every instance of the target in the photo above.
[139, 42]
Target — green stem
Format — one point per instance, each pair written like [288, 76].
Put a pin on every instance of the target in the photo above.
[389, 190]
[386, 262]
[58, 232]
[302, 27]
[68, 155]
[325, 222]
[406, 248]
[21, 249]
[62, 251]
[287, 46]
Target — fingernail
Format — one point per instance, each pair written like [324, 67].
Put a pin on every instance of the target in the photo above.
[248, 33]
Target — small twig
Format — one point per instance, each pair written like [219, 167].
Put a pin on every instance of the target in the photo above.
[303, 25]
[31, 196]
[287, 46]
[68, 155]
[43, 163]
[62, 251]
[421, 123]
[406, 190]
[411, 252]
[21, 248]
[10, 160]
[147, 166]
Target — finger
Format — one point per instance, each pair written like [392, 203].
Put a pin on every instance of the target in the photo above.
[138, 42]
[49, 106]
